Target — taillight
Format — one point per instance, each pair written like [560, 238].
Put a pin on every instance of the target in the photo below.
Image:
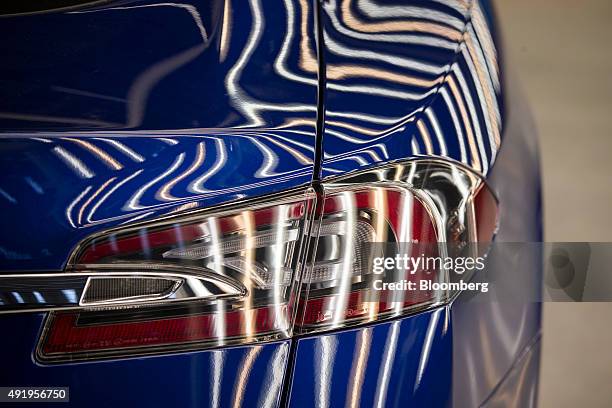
[356, 226]
[268, 270]
[238, 283]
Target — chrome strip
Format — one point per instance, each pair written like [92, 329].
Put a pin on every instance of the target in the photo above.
[35, 292]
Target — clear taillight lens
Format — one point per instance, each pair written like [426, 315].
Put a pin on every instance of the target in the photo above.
[262, 271]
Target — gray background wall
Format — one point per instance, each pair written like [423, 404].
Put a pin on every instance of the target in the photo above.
[562, 54]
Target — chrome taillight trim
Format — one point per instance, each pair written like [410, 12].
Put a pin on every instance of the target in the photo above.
[75, 283]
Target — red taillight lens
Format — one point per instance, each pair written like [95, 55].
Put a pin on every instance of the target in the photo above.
[486, 214]
[264, 271]
[67, 334]
[340, 286]
[238, 283]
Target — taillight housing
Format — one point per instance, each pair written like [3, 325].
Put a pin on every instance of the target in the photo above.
[265, 270]
[354, 225]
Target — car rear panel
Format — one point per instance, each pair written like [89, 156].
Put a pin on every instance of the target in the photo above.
[399, 363]
[436, 89]
[405, 80]
[122, 112]
[57, 190]
[198, 104]
[479, 348]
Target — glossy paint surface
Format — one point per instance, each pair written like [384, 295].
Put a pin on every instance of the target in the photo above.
[188, 105]
[56, 191]
[231, 377]
[153, 65]
[488, 338]
[127, 111]
[408, 80]
[504, 328]
[455, 110]
[407, 362]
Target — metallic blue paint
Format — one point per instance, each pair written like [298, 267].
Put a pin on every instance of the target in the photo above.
[58, 190]
[126, 111]
[104, 139]
[487, 336]
[427, 84]
[252, 375]
[407, 362]
[152, 65]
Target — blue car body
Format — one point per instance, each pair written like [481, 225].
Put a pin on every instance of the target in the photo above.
[104, 104]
